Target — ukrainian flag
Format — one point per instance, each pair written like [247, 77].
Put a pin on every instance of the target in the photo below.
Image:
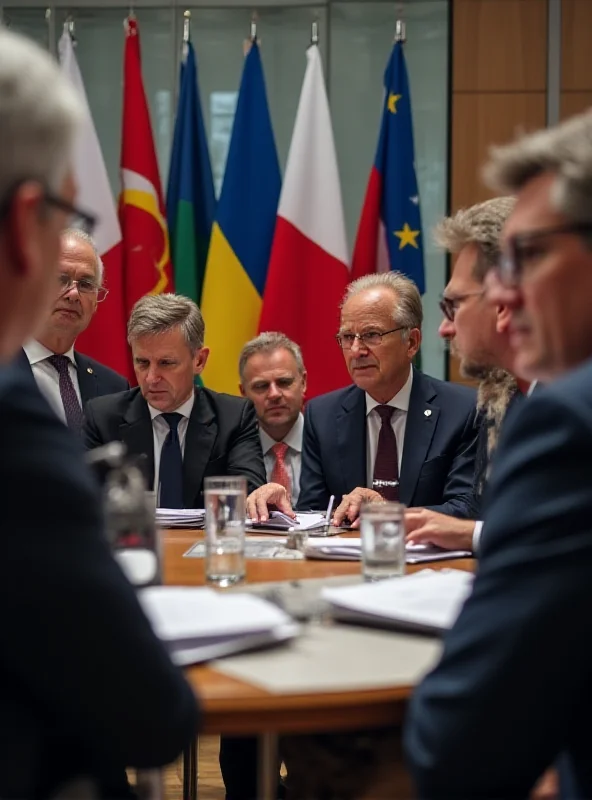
[243, 230]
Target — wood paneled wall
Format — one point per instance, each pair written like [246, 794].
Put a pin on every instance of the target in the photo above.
[499, 86]
[576, 56]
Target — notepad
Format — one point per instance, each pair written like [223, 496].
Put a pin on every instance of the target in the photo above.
[180, 517]
[198, 624]
[280, 521]
[428, 601]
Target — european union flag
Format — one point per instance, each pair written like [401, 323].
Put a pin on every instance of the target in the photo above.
[391, 220]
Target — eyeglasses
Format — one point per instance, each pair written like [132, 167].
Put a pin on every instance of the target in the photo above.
[449, 305]
[84, 286]
[517, 251]
[370, 339]
[82, 220]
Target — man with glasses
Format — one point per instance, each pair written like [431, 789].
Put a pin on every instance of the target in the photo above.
[86, 688]
[479, 336]
[66, 378]
[511, 694]
[396, 434]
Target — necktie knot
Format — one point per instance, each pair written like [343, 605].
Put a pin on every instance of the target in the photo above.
[172, 419]
[279, 450]
[60, 363]
[385, 413]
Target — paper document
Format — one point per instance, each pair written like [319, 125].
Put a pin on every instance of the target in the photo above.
[280, 521]
[197, 624]
[350, 549]
[180, 517]
[428, 601]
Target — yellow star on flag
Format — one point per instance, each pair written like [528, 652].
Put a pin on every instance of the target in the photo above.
[407, 236]
[391, 103]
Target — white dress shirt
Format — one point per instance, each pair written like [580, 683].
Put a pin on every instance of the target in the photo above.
[47, 378]
[160, 430]
[398, 421]
[293, 454]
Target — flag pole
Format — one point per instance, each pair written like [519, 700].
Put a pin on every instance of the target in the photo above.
[186, 26]
[253, 33]
[314, 32]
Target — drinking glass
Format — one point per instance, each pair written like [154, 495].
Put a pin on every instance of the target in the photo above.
[225, 500]
[382, 530]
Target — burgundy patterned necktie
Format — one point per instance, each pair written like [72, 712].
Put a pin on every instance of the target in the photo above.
[68, 394]
[386, 466]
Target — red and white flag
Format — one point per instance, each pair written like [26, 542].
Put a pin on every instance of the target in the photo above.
[308, 269]
[105, 338]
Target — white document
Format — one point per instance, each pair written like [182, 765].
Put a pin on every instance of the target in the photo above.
[197, 624]
[350, 549]
[427, 601]
[180, 517]
[280, 521]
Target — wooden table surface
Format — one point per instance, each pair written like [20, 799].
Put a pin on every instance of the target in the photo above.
[231, 706]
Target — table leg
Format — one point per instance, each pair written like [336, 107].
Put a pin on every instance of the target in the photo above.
[190, 771]
[267, 774]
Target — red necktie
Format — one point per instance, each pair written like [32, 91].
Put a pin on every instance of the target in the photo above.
[386, 466]
[280, 473]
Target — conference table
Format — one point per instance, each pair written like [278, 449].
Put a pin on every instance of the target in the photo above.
[235, 706]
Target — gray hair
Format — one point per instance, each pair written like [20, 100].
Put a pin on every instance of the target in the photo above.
[39, 115]
[481, 225]
[160, 313]
[83, 236]
[407, 309]
[269, 342]
[565, 150]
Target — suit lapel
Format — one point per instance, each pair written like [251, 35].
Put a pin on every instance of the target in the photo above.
[199, 442]
[351, 438]
[136, 432]
[87, 379]
[422, 418]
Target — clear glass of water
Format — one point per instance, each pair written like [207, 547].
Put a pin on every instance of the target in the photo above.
[382, 530]
[225, 500]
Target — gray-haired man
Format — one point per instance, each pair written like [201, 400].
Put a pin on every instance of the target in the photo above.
[273, 377]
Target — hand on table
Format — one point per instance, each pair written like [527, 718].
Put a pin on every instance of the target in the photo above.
[270, 494]
[349, 508]
[430, 527]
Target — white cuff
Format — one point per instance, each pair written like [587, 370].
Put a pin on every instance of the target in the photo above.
[477, 535]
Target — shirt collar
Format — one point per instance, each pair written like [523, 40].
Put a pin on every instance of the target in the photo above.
[531, 388]
[400, 400]
[184, 409]
[293, 438]
[37, 352]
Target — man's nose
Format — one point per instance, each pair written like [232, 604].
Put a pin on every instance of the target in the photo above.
[273, 392]
[500, 294]
[447, 329]
[358, 346]
[153, 375]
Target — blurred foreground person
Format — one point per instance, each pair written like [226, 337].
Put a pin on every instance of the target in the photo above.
[86, 689]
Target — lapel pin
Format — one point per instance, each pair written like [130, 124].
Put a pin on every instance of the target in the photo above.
[428, 412]
[89, 370]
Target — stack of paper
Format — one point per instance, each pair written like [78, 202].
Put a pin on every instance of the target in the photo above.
[279, 521]
[428, 601]
[197, 624]
[180, 517]
[350, 549]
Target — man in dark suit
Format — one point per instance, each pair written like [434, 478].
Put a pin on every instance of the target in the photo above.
[397, 434]
[185, 433]
[66, 378]
[512, 692]
[86, 688]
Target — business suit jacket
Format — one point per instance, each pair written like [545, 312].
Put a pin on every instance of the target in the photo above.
[513, 689]
[94, 379]
[438, 454]
[222, 437]
[86, 688]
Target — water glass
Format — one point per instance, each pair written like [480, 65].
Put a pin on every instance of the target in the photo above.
[225, 500]
[382, 530]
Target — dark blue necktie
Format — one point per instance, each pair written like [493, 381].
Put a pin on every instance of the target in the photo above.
[171, 465]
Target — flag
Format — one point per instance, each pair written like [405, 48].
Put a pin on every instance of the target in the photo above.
[105, 338]
[308, 270]
[147, 264]
[243, 231]
[390, 235]
[190, 194]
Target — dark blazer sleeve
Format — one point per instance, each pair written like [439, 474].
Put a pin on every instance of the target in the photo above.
[245, 456]
[105, 681]
[314, 493]
[515, 671]
[458, 495]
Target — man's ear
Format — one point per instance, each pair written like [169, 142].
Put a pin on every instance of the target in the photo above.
[413, 342]
[200, 359]
[503, 318]
[241, 390]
